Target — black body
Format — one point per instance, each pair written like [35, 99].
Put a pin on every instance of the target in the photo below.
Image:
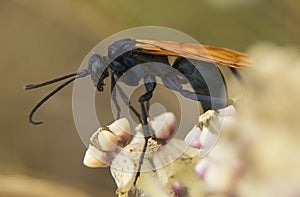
[124, 55]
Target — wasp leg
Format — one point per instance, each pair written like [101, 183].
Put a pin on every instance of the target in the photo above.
[114, 95]
[147, 107]
[150, 86]
[123, 97]
[175, 82]
[206, 80]
[207, 102]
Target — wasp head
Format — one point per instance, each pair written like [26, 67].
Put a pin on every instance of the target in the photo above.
[98, 69]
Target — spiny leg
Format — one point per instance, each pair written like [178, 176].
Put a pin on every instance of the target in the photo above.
[124, 98]
[206, 80]
[128, 103]
[147, 107]
[114, 95]
[207, 102]
[150, 86]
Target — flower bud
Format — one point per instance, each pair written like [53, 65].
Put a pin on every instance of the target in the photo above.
[178, 189]
[164, 125]
[201, 168]
[207, 138]
[121, 128]
[193, 137]
[107, 141]
[94, 158]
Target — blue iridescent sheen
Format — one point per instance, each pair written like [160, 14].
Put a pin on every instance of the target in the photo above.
[123, 55]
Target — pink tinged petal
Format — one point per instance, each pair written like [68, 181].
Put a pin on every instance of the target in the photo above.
[178, 189]
[164, 125]
[107, 141]
[207, 138]
[121, 128]
[193, 137]
[201, 168]
[94, 158]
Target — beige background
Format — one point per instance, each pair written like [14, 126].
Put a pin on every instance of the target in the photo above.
[43, 39]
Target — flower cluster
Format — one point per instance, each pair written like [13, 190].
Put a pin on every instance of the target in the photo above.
[256, 154]
[171, 167]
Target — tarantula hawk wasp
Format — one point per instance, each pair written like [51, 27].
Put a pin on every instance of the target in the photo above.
[126, 53]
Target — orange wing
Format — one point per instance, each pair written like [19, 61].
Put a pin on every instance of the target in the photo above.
[205, 53]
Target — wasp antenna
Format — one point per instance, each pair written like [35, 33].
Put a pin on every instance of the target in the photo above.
[38, 105]
[33, 122]
[80, 74]
[33, 86]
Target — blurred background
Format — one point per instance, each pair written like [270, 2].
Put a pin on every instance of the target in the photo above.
[44, 39]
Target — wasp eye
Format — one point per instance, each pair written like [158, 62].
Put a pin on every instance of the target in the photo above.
[97, 64]
[93, 61]
[98, 70]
